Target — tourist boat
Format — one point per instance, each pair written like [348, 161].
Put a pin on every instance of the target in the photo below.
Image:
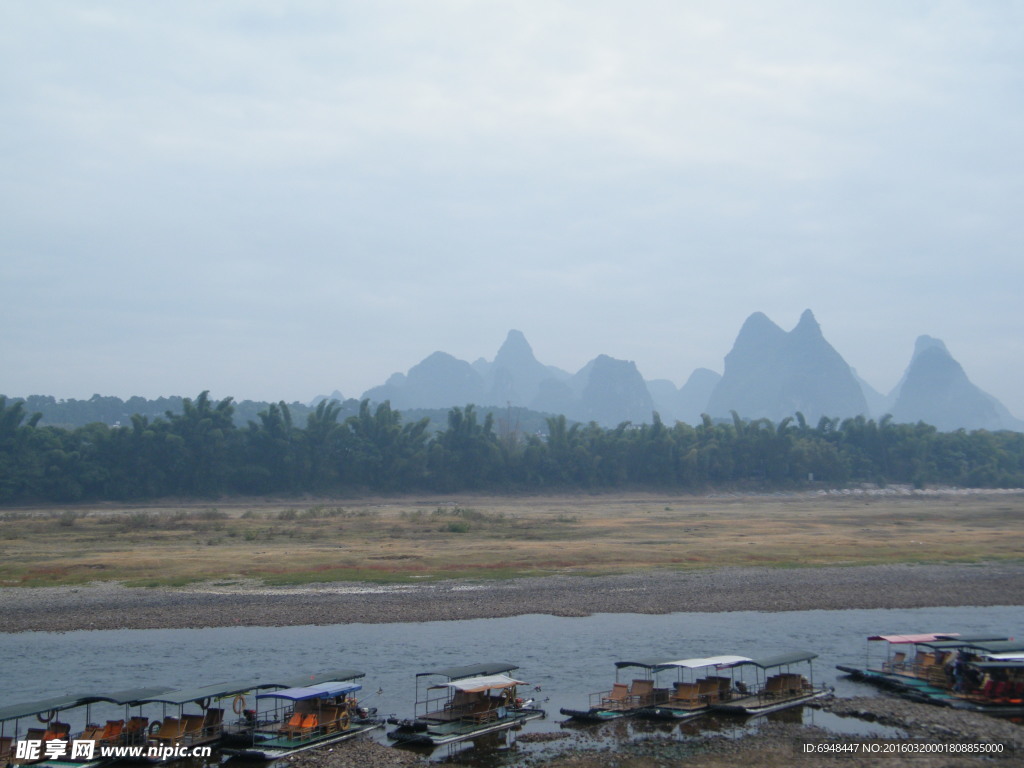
[624, 699]
[920, 657]
[177, 733]
[990, 679]
[461, 703]
[50, 728]
[982, 673]
[776, 685]
[306, 713]
[696, 689]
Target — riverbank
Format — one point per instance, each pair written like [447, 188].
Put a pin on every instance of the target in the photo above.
[414, 540]
[107, 605]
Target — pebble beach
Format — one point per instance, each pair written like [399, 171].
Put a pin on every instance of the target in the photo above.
[112, 606]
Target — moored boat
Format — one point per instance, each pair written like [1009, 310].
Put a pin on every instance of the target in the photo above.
[698, 686]
[990, 679]
[460, 703]
[623, 699]
[305, 713]
[780, 682]
[180, 731]
[981, 673]
[51, 741]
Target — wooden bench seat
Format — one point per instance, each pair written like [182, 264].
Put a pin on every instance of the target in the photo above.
[686, 695]
[171, 729]
[707, 690]
[642, 692]
[617, 698]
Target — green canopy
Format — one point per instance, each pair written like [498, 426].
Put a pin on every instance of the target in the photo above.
[472, 670]
[336, 675]
[217, 691]
[780, 660]
[643, 663]
[15, 711]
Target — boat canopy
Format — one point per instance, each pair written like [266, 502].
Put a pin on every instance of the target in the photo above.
[322, 677]
[998, 646]
[1008, 664]
[472, 670]
[923, 638]
[709, 661]
[1009, 656]
[130, 696]
[217, 691]
[14, 711]
[780, 660]
[945, 645]
[318, 691]
[963, 642]
[643, 663]
[478, 684]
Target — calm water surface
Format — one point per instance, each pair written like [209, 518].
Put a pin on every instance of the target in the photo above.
[566, 658]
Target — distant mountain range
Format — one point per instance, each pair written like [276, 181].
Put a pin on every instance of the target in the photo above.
[769, 373]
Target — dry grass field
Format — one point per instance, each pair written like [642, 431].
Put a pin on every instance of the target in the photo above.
[409, 539]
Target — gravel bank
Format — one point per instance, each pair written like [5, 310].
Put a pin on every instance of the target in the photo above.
[112, 606]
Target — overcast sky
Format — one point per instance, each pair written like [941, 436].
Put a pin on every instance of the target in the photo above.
[275, 200]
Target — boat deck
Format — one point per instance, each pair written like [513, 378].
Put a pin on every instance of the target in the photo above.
[453, 730]
[281, 745]
[761, 704]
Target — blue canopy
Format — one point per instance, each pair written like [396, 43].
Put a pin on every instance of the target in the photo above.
[318, 691]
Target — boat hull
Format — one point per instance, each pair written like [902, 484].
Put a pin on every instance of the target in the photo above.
[754, 706]
[597, 715]
[421, 733]
[673, 713]
[276, 747]
[916, 689]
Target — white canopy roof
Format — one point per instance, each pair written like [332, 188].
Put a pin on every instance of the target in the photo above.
[486, 683]
[709, 661]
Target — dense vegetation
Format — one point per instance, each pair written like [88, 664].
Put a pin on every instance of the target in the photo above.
[202, 452]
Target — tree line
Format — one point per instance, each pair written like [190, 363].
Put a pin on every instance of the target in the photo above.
[201, 452]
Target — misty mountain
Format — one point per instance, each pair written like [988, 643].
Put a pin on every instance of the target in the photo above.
[610, 392]
[769, 373]
[439, 381]
[686, 403]
[878, 404]
[335, 395]
[934, 389]
[516, 375]
[605, 390]
[772, 374]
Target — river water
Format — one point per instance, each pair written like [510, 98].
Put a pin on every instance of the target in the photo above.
[563, 659]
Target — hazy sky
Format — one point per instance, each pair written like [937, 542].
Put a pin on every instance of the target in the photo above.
[275, 200]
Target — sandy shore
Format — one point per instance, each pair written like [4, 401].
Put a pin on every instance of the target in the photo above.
[112, 606]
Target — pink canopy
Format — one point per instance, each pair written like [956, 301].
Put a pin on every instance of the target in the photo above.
[929, 638]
